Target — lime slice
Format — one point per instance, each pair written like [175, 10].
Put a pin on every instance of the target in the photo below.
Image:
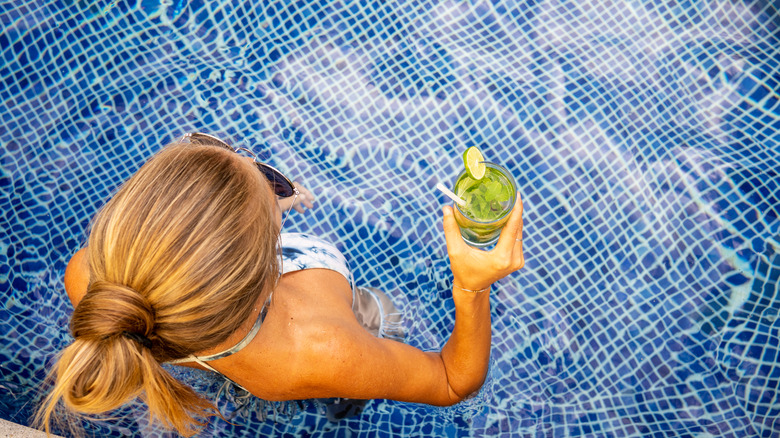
[473, 160]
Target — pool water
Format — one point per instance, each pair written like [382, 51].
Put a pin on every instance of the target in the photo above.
[643, 136]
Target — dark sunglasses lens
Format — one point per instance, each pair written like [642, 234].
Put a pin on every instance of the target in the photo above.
[279, 183]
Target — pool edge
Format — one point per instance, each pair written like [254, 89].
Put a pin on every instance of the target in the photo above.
[10, 429]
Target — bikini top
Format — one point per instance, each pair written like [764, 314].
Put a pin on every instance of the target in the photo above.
[299, 251]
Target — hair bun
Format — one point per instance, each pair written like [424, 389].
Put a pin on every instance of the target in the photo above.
[110, 309]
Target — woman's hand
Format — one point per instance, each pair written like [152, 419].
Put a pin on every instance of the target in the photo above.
[476, 269]
[304, 199]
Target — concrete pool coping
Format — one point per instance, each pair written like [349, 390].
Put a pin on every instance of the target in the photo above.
[13, 430]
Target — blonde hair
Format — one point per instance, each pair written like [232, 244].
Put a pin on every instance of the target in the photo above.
[180, 255]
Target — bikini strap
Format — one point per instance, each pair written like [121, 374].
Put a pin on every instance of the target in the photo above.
[236, 348]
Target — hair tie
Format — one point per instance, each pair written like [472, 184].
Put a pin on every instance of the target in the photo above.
[137, 337]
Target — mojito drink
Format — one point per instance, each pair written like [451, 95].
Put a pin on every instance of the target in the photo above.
[489, 200]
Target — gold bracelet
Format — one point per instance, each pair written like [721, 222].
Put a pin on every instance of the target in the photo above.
[479, 291]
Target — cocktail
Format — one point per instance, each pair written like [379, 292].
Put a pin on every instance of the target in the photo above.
[488, 199]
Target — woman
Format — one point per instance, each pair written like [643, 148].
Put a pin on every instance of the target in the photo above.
[181, 266]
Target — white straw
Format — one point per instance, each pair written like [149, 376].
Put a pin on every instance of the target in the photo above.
[451, 195]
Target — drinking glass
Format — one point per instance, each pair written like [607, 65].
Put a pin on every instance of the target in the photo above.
[488, 203]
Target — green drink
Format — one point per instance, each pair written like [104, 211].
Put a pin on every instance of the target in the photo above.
[489, 201]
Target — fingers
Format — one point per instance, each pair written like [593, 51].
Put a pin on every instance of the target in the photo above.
[512, 234]
[302, 203]
[518, 257]
[519, 203]
[308, 201]
[475, 267]
[451, 231]
[306, 196]
[305, 199]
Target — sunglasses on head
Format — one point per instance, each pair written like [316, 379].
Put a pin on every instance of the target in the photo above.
[281, 185]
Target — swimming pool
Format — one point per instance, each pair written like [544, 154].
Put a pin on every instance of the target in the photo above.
[643, 136]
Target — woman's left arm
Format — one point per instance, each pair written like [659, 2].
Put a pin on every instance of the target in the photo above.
[342, 359]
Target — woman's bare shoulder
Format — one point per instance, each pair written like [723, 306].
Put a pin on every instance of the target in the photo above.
[77, 276]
